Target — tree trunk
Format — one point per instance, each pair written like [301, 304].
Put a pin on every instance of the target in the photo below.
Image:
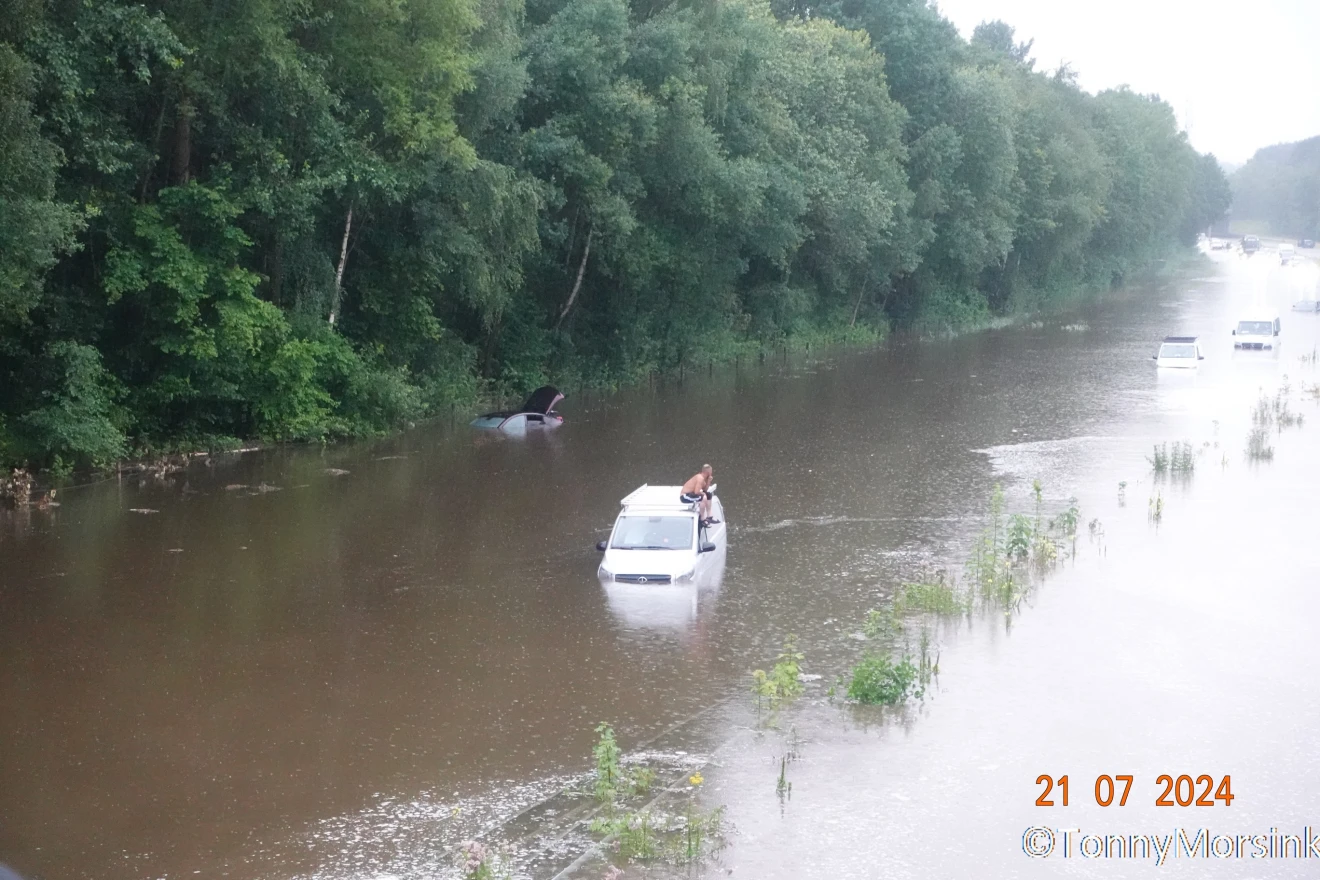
[857, 307]
[181, 165]
[339, 272]
[577, 285]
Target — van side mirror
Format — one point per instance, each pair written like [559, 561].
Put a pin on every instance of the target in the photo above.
[1233, 331]
[706, 547]
[1154, 357]
[1200, 357]
[600, 545]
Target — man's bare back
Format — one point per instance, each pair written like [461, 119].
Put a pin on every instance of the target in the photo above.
[696, 485]
[698, 489]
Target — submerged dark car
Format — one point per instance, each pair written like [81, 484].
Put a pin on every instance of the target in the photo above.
[537, 412]
[1306, 242]
[1250, 244]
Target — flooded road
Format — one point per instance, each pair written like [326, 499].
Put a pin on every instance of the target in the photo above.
[340, 663]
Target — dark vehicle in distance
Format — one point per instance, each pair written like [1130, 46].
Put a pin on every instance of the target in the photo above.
[1306, 242]
[1250, 244]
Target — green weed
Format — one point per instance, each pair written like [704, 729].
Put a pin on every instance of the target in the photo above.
[1155, 507]
[1258, 445]
[935, 596]
[1180, 460]
[650, 835]
[609, 774]
[878, 680]
[881, 622]
[1020, 534]
[782, 683]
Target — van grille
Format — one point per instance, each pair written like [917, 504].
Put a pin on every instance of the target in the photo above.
[642, 578]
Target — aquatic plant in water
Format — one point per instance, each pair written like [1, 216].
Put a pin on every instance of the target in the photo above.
[1258, 445]
[783, 787]
[1155, 507]
[1020, 534]
[609, 773]
[938, 595]
[653, 834]
[878, 680]
[613, 780]
[783, 682]
[881, 622]
[1284, 417]
[1181, 460]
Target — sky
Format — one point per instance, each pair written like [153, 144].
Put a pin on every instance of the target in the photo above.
[1240, 75]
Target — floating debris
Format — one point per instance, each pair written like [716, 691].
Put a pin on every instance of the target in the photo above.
[175, 550]
[233, 486]
[142, 510]
[336, 472]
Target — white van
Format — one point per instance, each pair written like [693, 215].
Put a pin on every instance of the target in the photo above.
[657, 539]
[1258, 331]
[1179, 353]
[1286, 254]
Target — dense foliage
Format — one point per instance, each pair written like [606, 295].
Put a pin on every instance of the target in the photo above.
[295, 219]
[1278, 191]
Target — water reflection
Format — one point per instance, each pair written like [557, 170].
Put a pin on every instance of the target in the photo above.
[673, 608]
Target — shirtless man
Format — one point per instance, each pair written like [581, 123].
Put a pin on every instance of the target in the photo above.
[698, 489]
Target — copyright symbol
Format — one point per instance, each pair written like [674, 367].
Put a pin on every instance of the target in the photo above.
[1038, 841]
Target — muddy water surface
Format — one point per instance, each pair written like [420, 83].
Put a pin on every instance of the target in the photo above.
[289, 672]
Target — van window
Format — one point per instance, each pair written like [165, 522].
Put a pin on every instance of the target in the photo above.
[635, 532]
[1177, 350]
[1255, 328]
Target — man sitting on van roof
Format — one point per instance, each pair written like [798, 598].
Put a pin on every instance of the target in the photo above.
[698, 489]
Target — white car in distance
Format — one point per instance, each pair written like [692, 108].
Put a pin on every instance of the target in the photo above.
[1179, 353]
[1258, 331]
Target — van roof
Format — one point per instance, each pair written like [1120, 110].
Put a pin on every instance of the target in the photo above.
[1259, 316]
[1180, 339]
[656, 498]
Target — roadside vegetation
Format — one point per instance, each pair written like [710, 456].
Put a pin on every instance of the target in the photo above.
[670, 827]
[1010, 554]
[301, 221]
[1181, 461]
[784, 680]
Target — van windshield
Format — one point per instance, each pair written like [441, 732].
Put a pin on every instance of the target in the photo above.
[653, 533]
[1256, 328]
[1177, 350]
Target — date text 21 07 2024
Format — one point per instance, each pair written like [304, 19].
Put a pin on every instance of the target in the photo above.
[1179, 791]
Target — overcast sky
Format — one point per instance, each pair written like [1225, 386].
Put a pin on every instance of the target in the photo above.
[1241, 75]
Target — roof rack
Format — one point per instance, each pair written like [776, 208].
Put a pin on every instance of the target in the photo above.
[664, 497]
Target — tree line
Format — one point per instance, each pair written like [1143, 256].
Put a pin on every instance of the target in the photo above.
[1278, 191]
[297, 219]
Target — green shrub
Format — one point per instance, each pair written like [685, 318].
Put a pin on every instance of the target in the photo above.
[878, 680]
[76, 419]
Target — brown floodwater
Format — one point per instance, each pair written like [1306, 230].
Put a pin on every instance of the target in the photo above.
[282, 671]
